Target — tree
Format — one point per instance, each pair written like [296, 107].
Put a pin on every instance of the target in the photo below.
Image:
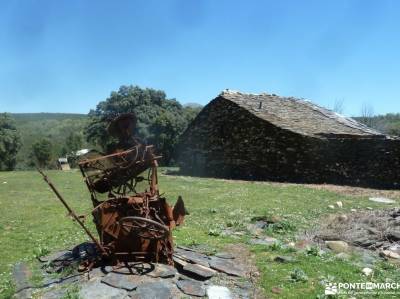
[73, 142]
[367, 115]
[157, 118]
[41, 152]
[338, 106]
[9, 143]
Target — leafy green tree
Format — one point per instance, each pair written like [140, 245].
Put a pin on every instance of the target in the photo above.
[159, 120]
[73, 142]
[42, 152]
[9, 143]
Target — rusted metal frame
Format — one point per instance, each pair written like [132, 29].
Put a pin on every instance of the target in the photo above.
[72, 213]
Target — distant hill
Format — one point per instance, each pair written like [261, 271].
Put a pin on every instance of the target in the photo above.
[54, 126]
[388, 123]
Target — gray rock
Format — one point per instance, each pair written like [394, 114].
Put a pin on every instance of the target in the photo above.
[364, 242]
[153, 290]
[191, 287]
[96, 289]
[163, 271]
[393, 235]
[21, 276]
[120, 281]
[57, 256]
[284, 259]
[337, 246]
[382, 200]
[97, 272]
[267, 241]
[199, 270]
[192, 256]
[227, 266]
[218, 292]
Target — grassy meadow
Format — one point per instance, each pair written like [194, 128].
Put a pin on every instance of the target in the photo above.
[33, 222]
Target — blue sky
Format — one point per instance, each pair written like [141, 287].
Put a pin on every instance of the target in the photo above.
[66, 56]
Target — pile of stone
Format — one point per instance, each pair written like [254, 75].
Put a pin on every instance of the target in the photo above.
[373, 230]
[196, 274]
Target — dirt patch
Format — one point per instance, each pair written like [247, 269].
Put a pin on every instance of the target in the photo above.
[339, 189]
[244, 257]
[374, 230]
[356, 191]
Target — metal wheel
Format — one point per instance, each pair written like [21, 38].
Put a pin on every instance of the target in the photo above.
[144, 227]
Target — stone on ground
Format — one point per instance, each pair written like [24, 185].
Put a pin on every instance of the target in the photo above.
[199, 270]
[153, 290]
[218, 292]
[382, 200]
[227, 266]
[96, 289]
[192, 287]
[120, 281]
[337, 246]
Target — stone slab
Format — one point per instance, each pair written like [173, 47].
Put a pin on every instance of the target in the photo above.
[120, 281]
[21, 275]
[192, 256]
[199, 270]
[153, 290]
[382, 200]
[96, 289]
[227, 266]
[218, 292]
[191, 287]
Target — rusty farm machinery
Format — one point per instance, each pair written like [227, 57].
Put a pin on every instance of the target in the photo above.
[132, 225]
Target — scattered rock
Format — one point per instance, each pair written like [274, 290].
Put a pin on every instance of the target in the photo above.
[120, 281]
[21, 276]
[218, 292]
[367, 271]
[331, 207]
[382, 200]
[191, 287]
[227, 266]
[192, 256]
[393, 235]
[390, 254]
[343, 218]
[276, 290]
[339, 204]
[153, 290]
[337, 246]
[263, 241]
[353, 210]
[199, 270]
[284, 259]
[163, 271]
[98, 290]
[254, 229]
[369, 208]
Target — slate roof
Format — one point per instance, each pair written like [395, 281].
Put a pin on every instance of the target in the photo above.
[300, 116]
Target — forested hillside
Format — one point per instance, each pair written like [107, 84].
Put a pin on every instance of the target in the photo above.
[388, 123]
[56, 127]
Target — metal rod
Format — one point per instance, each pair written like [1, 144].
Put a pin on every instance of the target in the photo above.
[71, 212]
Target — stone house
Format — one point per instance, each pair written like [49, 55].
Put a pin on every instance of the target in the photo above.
[267, 137]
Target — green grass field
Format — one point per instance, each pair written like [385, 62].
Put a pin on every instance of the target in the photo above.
[34, 222]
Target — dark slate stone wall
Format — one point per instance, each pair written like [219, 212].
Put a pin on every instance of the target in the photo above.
[230, 142]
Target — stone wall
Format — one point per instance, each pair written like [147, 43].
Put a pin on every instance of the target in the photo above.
[228, 141]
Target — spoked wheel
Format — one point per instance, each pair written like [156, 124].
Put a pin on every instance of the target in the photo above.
[144, 227]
